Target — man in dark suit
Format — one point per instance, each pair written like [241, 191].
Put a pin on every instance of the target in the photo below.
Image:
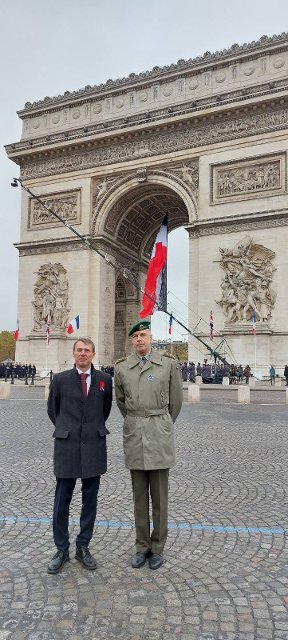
[79, 403]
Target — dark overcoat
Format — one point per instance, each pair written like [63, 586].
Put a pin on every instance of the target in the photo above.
[80, 431]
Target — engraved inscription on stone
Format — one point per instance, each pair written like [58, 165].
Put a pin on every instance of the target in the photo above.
[66, 205]
[248, 179]
[51, 297]
[246, 286]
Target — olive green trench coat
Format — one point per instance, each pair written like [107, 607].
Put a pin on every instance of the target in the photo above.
[149, 396]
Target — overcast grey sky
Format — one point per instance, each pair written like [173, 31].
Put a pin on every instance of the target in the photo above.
[49, 47]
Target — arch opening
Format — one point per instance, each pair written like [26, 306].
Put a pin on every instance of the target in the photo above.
[129, 230]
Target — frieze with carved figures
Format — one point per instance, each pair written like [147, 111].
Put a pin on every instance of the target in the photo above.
[247, 283]
[244, 179]
[65, 204]
[51, 297]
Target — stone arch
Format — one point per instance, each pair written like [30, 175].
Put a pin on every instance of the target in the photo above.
[102, 220]
[126, 219]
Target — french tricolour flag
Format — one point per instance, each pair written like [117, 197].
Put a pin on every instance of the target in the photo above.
[16, 332]
[73, 325]
[154, 273]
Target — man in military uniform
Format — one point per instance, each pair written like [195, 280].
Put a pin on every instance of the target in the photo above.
[148, 389]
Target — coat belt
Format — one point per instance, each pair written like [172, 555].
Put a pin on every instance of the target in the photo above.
[147, 412]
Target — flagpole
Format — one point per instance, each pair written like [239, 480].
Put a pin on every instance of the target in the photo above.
[255, 355]
[46, 354]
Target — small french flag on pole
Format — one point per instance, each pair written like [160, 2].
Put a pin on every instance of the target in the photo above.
[16, 332]
[73, 325]
[170, 325]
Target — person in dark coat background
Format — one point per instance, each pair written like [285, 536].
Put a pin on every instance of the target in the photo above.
[79, 403]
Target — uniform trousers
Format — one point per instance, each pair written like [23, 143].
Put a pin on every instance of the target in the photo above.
[155, 483]
[63, 496]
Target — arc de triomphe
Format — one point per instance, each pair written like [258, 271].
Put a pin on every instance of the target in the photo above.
[205, 140]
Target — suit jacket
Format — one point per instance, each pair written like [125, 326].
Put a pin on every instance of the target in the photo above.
[80, 431]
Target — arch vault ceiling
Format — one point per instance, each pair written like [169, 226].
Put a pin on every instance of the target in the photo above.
[136, 217]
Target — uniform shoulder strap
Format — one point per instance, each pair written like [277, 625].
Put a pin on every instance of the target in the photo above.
[169, 355]
[120, 360]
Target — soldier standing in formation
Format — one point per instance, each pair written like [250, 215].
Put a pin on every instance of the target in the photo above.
[148, 389]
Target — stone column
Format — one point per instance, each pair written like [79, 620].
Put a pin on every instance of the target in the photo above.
[133, 306]
[102, 309]
[193, 293]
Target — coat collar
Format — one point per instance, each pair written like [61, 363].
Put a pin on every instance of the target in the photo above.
[76, 374]
[155, 358]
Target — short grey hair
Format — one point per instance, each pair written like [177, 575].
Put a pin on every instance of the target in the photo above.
[86, 341]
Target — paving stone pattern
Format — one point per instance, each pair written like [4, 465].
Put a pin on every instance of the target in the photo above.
[225, 575]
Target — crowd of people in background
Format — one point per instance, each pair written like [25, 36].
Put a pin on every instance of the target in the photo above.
[210, 373]
[214, 373]
[17, 370]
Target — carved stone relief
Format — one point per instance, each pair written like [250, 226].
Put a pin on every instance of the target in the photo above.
[246, 286]
[51, 297]
[191, 134]
[101, 188]
[248, 179]
[67, 205]
[208, 58]
[189, 173]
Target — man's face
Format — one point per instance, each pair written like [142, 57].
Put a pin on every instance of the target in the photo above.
[141, 341]
[83, 355]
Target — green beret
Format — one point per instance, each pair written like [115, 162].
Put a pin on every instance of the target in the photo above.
[139, 326]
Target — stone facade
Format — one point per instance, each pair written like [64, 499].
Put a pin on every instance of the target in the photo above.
[205, 140]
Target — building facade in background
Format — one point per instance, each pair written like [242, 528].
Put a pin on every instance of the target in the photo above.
[205, 140]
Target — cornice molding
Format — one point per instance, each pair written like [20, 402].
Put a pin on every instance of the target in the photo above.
[50, 246]
[181, 136]
[158, 117]
[232, 224]
[63, 245]
[208, 59]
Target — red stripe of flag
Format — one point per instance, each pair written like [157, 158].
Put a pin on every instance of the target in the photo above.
[16, 333]
[156, 264]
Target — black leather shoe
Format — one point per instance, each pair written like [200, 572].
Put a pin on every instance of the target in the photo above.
[155, 561]
[139, 560]
[57, 561]
[83, 555]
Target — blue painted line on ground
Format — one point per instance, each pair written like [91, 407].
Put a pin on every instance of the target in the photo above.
[171, 525]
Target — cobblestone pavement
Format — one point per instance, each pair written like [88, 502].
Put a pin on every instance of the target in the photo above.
[225, 575]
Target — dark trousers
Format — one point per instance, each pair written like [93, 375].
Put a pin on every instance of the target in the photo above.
[154, 483]
[63, 496]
